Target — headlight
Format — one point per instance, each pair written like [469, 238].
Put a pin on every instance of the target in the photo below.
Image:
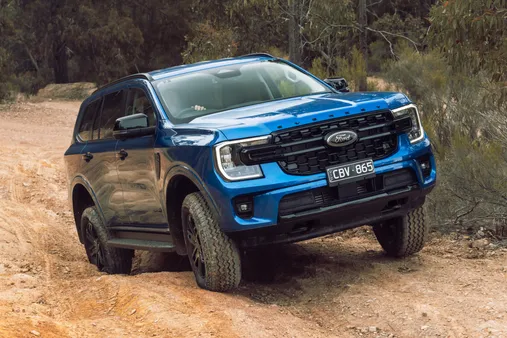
[417, 132]
[227, 156]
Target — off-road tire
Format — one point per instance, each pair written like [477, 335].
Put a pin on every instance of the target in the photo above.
[403, 236]
[112, 260]
[216, 251]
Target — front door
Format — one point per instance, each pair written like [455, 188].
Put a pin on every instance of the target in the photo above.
[136, 164]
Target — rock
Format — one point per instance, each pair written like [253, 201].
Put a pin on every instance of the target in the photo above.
[480, 243]
[372, 329]
[424, 314]
[424, 327]
[35, 333]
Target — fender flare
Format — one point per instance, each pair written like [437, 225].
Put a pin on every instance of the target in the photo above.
[81, 180]
[182, 169]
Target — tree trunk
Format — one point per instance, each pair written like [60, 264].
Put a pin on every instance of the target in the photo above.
[363, 42]
[34, 62]
[60, 63]
[294, 34]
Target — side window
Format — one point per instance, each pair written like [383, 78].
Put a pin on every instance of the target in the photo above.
[111, 110]
[85, 127]
[138, 102]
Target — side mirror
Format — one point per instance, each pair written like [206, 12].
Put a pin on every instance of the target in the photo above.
[338, 83]
[131, 126]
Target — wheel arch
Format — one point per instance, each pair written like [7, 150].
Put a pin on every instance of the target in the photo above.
[179, 182]
[82, 197]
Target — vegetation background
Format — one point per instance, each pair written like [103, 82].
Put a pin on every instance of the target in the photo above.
[450, 57]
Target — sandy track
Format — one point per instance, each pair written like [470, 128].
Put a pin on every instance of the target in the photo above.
[337, 286]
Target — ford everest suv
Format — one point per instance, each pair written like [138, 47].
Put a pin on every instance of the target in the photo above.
[210, 159]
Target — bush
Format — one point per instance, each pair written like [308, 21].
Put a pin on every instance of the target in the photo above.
[208, 43]
[472, 185]
[467, 123]
[352, 70]
[318, 69]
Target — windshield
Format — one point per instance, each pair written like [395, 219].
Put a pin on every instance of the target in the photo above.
[209, 91]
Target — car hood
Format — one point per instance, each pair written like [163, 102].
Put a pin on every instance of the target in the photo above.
[265, 118]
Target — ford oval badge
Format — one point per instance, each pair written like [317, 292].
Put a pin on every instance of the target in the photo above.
[341, 138]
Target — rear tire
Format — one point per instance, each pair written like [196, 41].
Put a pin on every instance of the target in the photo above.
[403, 236]
[105, 258]
[213, 256]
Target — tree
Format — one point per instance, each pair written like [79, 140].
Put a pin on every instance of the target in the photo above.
[295, 23]
[473, 35]
[363, 40]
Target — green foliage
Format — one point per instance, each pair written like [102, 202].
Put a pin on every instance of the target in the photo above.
[318, 69]
[208, 43]
[117, 45]
[379, 54]
[468, 129]
[372, 86]
[473, 35]
[87, 40]
[409, 26]
[352, 70]
[472, 185]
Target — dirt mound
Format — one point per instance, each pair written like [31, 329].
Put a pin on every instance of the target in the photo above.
[67, 91]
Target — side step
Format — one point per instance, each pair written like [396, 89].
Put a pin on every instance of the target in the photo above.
[141, 244]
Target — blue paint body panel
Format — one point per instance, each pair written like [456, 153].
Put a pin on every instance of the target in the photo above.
[120, 186]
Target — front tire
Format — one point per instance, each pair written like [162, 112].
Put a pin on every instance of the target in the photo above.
[214, 257]
[105, 258]
[403, 236]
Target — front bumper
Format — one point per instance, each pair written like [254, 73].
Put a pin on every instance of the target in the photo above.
[269, 191]
[327, 220]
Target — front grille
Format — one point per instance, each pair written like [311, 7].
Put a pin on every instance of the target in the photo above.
[305, 152]
[327, 196]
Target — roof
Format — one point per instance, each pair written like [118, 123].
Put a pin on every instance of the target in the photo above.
[178, 70]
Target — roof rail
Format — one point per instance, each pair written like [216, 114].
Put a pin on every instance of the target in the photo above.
[256, 54]
[144, 76]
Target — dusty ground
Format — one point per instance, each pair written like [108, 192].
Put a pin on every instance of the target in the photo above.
[338, 286]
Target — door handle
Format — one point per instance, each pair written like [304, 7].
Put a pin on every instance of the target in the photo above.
[87, 157]
[122, 154]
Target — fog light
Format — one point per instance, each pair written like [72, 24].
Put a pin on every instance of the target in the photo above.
[243, 206]
[425, 164]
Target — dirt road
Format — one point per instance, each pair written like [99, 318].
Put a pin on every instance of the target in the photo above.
[341, 286]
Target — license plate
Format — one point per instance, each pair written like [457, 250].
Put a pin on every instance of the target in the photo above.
[350, 172]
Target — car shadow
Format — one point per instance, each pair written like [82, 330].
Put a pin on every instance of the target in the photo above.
[296, 273]
[146, 261]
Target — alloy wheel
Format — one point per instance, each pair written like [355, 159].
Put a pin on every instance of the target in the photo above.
[194, 247]
[94, 249]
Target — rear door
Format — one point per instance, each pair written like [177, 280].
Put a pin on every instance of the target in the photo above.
[99, 158]
[137, 167]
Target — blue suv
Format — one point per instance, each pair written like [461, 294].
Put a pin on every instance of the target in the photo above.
[214, 158]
